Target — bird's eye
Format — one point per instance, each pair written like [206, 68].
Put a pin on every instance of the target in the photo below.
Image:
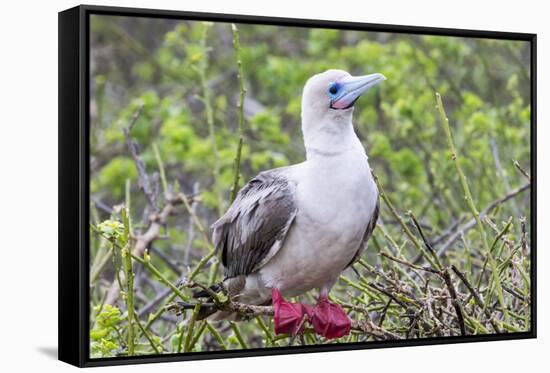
[333, 89]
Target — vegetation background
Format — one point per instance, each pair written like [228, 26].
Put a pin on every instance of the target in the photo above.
[163, 141]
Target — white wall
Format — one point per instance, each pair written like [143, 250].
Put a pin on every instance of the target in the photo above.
[28, 182]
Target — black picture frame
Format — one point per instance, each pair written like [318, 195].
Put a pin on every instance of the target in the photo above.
[73, 165]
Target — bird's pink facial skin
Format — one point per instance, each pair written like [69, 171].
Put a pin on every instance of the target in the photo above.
[350, 88]
[341, 104]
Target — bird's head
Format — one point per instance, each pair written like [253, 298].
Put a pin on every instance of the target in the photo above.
[327, 105]
[332, 94]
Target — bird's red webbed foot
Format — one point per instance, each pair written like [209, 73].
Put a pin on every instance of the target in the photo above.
[289, 318]
[329, 319]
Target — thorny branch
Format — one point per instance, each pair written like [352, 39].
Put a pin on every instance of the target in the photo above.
[249, 311]
[472, 222]
[144, 181]
[156, 219]
[143, 241]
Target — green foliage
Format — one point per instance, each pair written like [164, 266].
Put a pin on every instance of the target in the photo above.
[104, 334]
[113, 176]
[111, 229]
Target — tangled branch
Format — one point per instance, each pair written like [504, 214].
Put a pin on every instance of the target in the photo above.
[248, 311]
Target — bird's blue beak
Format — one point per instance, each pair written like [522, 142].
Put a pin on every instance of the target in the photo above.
[344, 92]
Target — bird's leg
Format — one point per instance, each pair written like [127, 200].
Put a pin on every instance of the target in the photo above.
[300, 329]
[329, 319]
[289, 318]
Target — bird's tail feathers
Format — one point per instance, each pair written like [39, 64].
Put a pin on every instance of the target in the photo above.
[216, 288]
[208, 308]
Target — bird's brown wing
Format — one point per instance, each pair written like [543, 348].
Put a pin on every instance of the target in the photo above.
[254, 228]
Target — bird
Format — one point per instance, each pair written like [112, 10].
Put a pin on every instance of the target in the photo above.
[297, 228]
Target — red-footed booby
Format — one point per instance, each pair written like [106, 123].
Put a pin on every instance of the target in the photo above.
[296, 228]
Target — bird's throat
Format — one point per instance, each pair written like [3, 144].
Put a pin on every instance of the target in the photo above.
[329, 140]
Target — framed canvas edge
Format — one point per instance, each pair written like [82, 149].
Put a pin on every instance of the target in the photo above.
[534, 179]
[306, 349]
[73, 106]
[71, 122]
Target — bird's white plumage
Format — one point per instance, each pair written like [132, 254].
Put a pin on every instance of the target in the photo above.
[335, 197]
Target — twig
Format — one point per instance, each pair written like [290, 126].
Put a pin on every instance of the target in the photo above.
[404, 226]
[409, 264]
[217, 336]
[144, 182]
[191, 226]
[247, 311]
[129, 274]
[269, 336]
[160, 254]
[390, 294]
[454, 299]
[190, 329]
[523, 172]
[514, 293]
[199, 333]
[195, 218]
[157, 220]
[425, 240]
[470, 202]
[238, 334]
[368, 327]
[146, 334]
[383, 313]
[173, 296]
[477, 298]
[500, 171]
[240, 106]
[149, 306]
[447, 232]
[492, 249]
[160, 166]
[206, 100]
[472, 222]
[147, 264]
[143, 241]
[99, 262]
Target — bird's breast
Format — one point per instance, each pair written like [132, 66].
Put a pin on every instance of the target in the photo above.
[338, 195]
[334, 209]
[335, 202]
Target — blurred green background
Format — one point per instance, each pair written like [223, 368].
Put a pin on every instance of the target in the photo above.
[166, 66]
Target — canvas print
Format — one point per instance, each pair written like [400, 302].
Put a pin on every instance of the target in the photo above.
[262, 186]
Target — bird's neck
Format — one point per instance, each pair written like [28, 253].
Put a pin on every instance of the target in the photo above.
[330, 140]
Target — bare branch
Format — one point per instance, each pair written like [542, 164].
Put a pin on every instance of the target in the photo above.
[248, 311]
[523, 172]
[472, 222]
